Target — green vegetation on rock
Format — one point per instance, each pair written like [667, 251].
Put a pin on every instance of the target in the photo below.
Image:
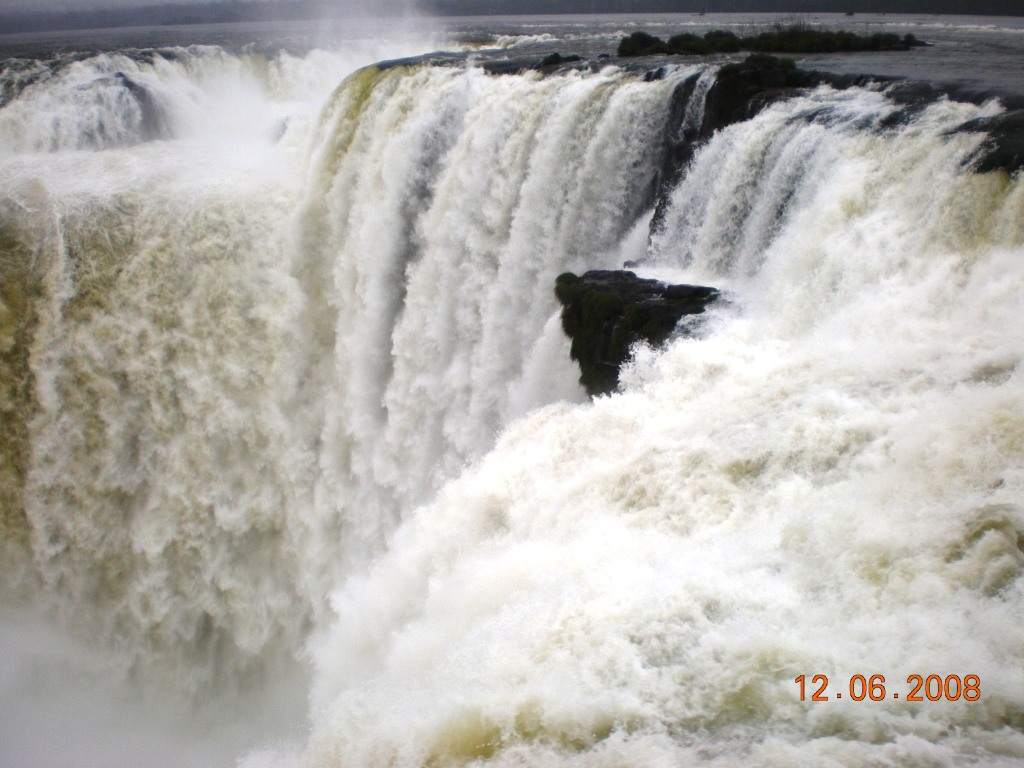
[802, 39]
[795, 38]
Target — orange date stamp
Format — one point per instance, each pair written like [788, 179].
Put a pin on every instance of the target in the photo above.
[920, 688]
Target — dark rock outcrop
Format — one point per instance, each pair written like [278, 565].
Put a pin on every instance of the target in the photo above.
[741, 90]
[155, 124]
[605, 312]
[744, 88]
[556, 59]
[1003, 150]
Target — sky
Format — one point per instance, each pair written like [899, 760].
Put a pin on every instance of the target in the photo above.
[89, 5]
[83, 5]
[968, 6]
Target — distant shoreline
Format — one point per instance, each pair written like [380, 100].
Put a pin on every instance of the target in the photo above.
[234, 11]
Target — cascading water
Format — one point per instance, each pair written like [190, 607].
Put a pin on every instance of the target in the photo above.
[307, 393]
[232, 387]
[828, 483]
[443, 203]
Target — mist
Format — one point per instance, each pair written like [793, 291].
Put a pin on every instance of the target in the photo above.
[361, 7]
[20, 16]
[56, 15]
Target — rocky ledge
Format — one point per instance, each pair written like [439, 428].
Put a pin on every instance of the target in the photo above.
[605, 312]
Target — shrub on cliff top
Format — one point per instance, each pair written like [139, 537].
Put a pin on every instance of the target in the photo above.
[689, 45]
[795, 38]
[642, 44]
[723, 41]
[802, 39]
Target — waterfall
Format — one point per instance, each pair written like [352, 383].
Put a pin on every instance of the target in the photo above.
[241, 387]
[825, 482]
[285, 386]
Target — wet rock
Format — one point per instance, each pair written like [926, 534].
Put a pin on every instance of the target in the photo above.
[556, 60]
[155, 124]
[1003, 150]
[605, 312]
[745, 88]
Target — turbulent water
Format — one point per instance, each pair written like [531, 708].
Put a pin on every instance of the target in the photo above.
[296, 469]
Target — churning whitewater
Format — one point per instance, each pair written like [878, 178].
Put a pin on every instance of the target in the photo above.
[287, 405]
